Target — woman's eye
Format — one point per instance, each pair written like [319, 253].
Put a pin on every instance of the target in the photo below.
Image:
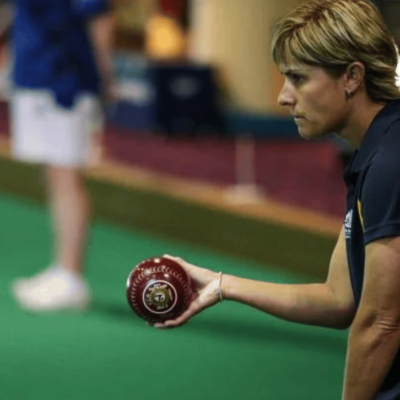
[296, 79]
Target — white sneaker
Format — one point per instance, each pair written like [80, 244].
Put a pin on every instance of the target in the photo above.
[22, 283]
[55, 289]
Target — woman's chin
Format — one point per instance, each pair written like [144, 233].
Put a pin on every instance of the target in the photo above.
[309, 134]
[305, 134]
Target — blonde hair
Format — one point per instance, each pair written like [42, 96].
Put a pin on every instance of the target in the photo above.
[331, 34]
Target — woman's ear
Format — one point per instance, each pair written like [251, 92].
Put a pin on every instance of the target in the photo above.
[354, 76]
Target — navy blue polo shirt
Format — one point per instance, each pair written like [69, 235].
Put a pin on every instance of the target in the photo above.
[52, 49]
[373, 205]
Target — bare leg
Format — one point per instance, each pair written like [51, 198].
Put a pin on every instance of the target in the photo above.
[69, 204]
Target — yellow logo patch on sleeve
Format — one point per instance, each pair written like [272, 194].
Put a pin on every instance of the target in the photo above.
[359, 206]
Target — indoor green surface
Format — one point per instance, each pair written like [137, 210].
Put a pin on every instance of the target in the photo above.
[228, 352]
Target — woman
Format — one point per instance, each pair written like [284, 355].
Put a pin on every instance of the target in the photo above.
[340, 63]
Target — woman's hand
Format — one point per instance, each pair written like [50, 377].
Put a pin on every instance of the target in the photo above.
[206, 292]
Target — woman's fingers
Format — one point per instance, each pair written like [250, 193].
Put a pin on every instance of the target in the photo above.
[205, 299]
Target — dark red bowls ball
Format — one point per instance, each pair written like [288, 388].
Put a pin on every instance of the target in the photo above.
[158, 289]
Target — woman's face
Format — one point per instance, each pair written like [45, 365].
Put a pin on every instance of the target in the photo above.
[316, 100]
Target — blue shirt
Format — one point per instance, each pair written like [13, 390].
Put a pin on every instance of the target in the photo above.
[373, 206]
[52, 49]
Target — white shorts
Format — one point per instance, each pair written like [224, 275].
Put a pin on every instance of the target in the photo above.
[44, 132]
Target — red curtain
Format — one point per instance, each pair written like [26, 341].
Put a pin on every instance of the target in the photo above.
[173, 8]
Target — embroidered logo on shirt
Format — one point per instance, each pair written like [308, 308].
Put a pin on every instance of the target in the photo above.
[348, 221]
